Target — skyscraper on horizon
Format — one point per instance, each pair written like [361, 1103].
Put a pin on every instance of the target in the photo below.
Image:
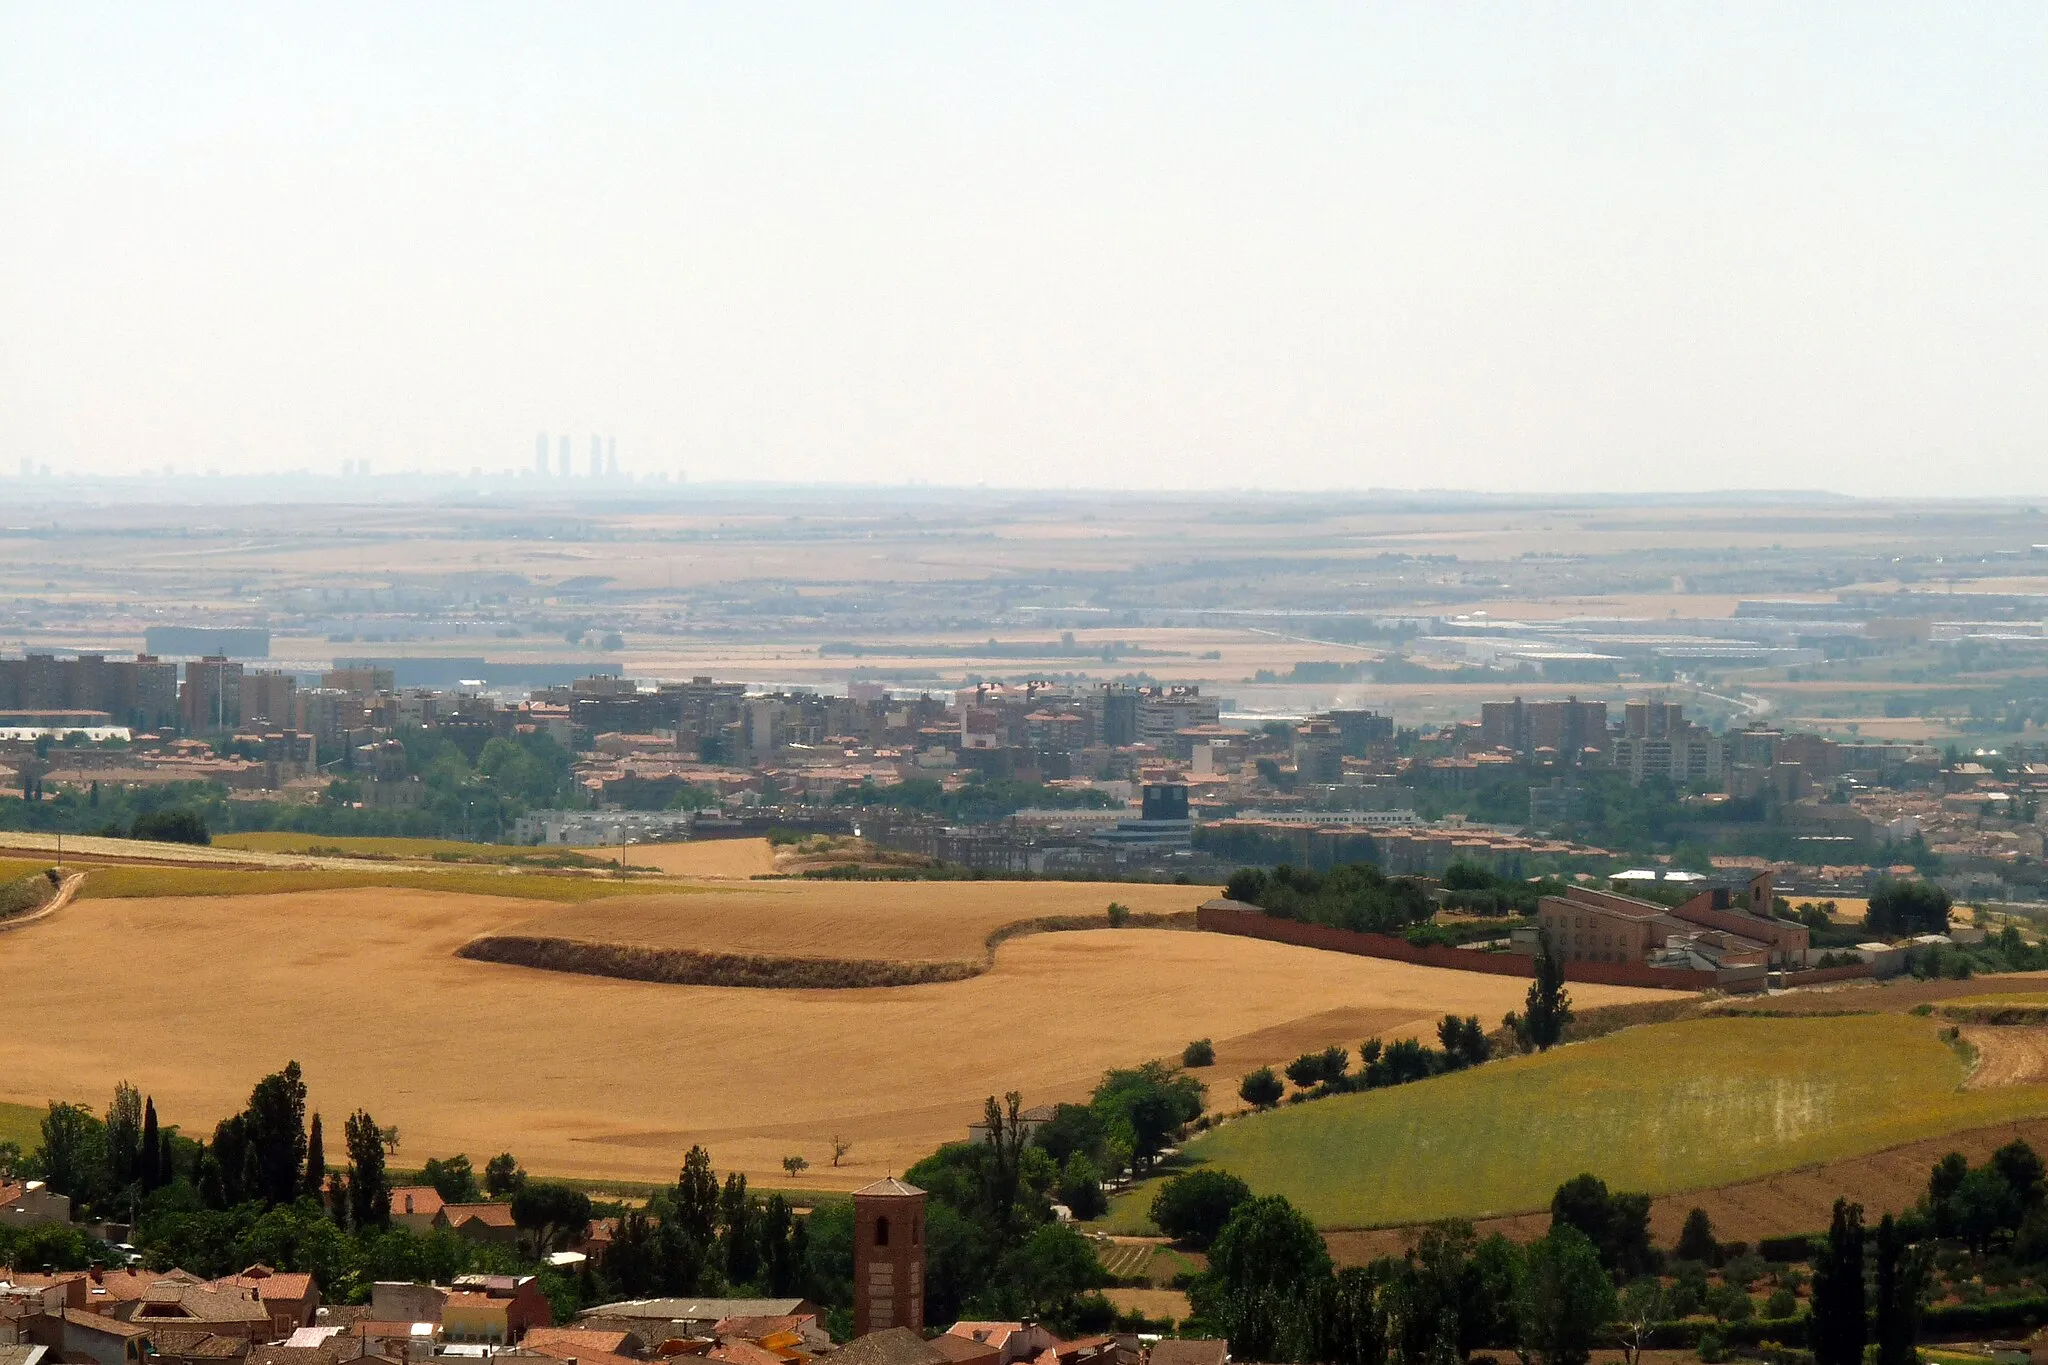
[596, 456]
[565, 457]
[540, 454]
[611, 457]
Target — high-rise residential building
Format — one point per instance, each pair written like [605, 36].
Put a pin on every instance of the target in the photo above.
[1545, 731]
[564, 457]
[596, 456]
[212, 695]
[611, 457]
[540, 454]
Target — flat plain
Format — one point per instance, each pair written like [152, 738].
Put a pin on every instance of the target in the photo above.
[1658, 1108]
[596, 1077]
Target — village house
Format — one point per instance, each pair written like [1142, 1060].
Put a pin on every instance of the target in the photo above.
[494, 1310]
[479, 1223]
[414, 1207]
[292, 1298]
[30, 1203]
[181, 1300]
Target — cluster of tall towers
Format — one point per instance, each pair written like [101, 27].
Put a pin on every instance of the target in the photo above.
[604, 457]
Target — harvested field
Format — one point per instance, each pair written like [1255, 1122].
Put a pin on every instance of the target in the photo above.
[721, 859]
[2007, 1055]
[1659, 1108]
[127, 881]
[1783, 1205]
[600, 1078]
[909, 921]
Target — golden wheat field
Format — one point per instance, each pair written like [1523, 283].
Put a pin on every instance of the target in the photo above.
[902, 921]
[194, 997]
[717, 858]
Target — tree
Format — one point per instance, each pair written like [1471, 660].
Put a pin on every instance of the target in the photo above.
[124, 1136]
[369, 1188]
[1080, 1187]
[795, 1166]
[149, 1166]
[1565, 1298]
[1549, 1006]
[316, 1162]
[1267, 1244]
[1696, 1239]
[1201, 1052]
[840, 1147]
[1902, 908]
[1001, 1165]
[2021, 1167]
[74, 1147]
[1194, 1207]
[1901, 1282]
[1618, 1225]
[1643, 1304]
[1051, 1267]
[742, 1246]
[502, 1175]
[453, 1178]
[550, 1212]
[1072, 1128]
[694, 1200]
[781, 1267]
[1261, 1089]
[1149, 1105]
[1838, 1327]
[277, 1135]
[171, 826]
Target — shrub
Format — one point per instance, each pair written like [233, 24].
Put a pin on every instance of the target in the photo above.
[1119, 914]
[1201, 1052]
[1261, 1088]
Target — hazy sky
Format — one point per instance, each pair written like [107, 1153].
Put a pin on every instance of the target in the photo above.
[1624, 246]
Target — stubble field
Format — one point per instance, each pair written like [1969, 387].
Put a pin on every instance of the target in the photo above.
[194, 997]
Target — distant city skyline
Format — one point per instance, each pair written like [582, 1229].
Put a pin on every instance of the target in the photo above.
[1592, 247]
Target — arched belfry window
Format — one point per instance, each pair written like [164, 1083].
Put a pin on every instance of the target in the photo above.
[881, 1232]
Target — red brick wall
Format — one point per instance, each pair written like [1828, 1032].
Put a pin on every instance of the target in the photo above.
[1457, 959]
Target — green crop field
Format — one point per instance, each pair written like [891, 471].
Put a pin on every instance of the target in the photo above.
[117, 882]
[22, 1124]
[1660, 1108]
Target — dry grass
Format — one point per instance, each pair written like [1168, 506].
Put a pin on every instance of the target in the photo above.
[588, 1076]
[1153, 1303]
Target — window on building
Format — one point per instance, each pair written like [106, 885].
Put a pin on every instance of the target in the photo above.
[881, 1232]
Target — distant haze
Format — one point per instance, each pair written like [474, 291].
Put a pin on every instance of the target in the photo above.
[1627, 246]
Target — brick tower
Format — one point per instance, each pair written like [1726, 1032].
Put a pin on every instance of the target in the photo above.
[888, 1257]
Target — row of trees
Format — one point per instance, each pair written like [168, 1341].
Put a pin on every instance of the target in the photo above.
[1462, 1043]
[1355, 896]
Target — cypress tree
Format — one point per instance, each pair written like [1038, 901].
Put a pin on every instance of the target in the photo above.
[316, 1161]
[1900, 1274]
[1839, 1325]
[147, 1167]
